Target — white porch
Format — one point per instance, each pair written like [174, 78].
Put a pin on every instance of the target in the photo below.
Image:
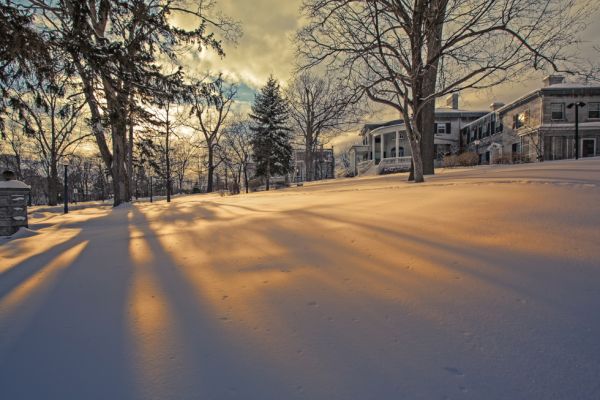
[389, 149]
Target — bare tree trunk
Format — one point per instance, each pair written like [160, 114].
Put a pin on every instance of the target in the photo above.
[53, 184]
[418, 161]
[130, 154]
[211, 170]
[168, 160]
[425, 124]
[309, 157]
[246, 178]
[119, 173]
[268, 174]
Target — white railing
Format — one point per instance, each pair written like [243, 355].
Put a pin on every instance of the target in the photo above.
[363, 166]
[401, 163]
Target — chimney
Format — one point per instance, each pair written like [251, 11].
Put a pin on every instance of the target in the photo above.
[452, 101]
[496, 105]
[553, 80]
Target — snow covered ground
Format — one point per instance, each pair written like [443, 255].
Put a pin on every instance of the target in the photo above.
[479, 284]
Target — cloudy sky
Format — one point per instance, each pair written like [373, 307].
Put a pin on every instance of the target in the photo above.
[265, 49]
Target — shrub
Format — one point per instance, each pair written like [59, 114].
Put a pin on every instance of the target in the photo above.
[468, 159]
[254, 184]
[450, 161]
[505, 159]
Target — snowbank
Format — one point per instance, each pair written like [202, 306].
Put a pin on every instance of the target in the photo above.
[14, 184]
[478, 284]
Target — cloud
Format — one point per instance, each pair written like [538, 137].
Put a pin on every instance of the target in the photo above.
[266, 48]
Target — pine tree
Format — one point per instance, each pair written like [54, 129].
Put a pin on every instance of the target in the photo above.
[271, 134]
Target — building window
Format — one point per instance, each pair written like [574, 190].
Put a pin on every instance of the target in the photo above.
[558, 111]
[520, 119]
[594, 111]
[440, 128]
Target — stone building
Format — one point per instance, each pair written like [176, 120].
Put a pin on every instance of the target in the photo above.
[323, 164]
[538, 126]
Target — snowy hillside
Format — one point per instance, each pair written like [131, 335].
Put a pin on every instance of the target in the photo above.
[479, 284]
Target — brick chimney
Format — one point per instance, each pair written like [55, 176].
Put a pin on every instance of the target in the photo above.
[553, 80]
[452, 101]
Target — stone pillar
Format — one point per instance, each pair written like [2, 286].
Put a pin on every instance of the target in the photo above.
[13, 204]
[397, 142]
[373, 146]
[381, 146]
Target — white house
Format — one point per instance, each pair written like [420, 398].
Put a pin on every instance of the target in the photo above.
[385, 147]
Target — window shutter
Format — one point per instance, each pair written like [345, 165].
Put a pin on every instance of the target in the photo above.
[435, 127]
[448, 126]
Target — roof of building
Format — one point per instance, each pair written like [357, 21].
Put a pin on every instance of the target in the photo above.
[557, 88]
[439, 112]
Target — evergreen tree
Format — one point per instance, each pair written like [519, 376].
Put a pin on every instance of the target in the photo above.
[271, 134]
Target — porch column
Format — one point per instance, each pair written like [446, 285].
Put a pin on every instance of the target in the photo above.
[381, 155]
[373, 145]
[397, 143]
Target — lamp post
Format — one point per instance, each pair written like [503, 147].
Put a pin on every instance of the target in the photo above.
[576, 105]
[66, 192]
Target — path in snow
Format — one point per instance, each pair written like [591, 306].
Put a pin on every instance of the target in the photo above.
[480, 284]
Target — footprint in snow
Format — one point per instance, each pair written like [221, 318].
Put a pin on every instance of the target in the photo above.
[312, 304]
[454, 371]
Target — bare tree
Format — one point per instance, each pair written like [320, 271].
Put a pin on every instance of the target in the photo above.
[49, 112]
[118, 49]
[321, 107]
[405, 54]
[183, 154]
[237, 141]
[13, 147]
[211, 105]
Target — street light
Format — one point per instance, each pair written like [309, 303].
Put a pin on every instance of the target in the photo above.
[576, 105]
[66, 193]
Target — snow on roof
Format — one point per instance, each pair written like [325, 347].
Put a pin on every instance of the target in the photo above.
[582, 125]
[447, 110]
[556, 87]
[438, 111]
[567, 85]
[14, 185]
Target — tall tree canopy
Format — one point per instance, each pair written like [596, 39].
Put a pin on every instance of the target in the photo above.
[118, 49]
[405, 54]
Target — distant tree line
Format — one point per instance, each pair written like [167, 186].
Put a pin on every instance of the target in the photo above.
[100, 86]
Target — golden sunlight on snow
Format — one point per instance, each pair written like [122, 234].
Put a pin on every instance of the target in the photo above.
[341, 289]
